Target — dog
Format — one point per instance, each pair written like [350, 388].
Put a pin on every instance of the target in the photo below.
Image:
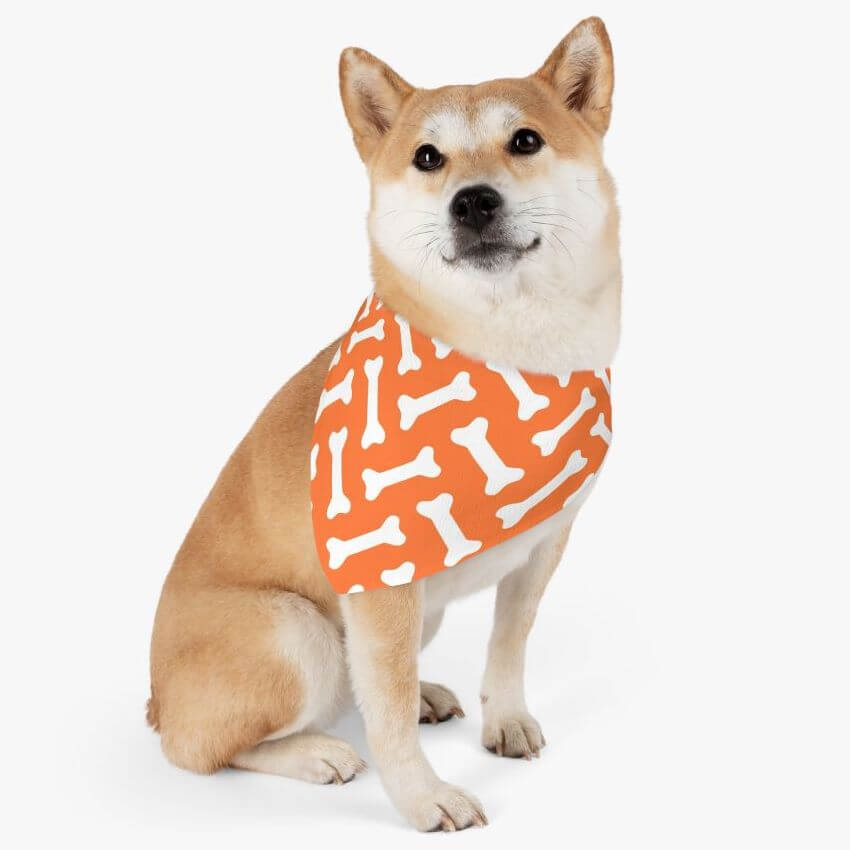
[493, 227]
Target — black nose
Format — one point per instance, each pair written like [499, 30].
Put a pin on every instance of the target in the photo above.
[476, 206]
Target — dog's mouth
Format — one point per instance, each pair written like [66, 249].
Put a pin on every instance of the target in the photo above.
[488, 255]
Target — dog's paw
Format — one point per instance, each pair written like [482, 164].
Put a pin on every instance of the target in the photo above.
[328, 761]
[445, 808]
[437, 703]
[342, 767]
[514, 735]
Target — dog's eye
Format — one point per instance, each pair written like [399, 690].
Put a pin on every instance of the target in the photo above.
[525, 142]
[427, 158]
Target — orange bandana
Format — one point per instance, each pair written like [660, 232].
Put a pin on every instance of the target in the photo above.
[423, 457]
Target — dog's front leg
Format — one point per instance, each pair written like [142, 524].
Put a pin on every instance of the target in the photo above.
[383, 636]
[509, 730]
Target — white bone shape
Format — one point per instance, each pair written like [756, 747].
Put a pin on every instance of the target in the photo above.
[314, 453]
[530, 402]
[356, 588]
[441, 350]
[375, 331]
[409, 362]
[458, 545]
[511, 514]
[473, 438]
[339, 503]
[422, 465]
[389, 533]
[547, 441]
[459, 389]
[564, 379]
[402, 574]
[335, 358]
[373, 432]
[603, 376]
[338, 392]
[582, 492]
[600, 429]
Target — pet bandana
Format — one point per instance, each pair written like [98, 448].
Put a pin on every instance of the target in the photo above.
[423, 456]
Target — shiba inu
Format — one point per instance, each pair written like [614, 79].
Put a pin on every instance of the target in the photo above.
[494, 234]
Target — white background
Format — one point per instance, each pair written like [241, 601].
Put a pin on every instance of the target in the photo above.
[183, 227]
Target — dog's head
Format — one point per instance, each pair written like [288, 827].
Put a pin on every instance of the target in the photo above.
[482, 192]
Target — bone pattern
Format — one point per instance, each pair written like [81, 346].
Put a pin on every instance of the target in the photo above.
[402, 574]
[408, 362]
[373, 433]
[375, 331]
[389, 533]
[473, 438]
[314, 453]
[547, 441]
[353, 481]
[511, 514]
[422, 465]
[410, 408]
[600, 429]
[339, 503]
[529, 402]
[441, 349]
[458, 545]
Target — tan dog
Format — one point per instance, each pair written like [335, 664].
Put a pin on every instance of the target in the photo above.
[253, 653]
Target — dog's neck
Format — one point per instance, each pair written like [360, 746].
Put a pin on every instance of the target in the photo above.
[547, 328]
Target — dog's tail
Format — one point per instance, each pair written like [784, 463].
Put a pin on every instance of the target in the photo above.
[152, 713]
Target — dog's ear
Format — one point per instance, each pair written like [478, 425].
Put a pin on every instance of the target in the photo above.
[372, 95]
[581, 69]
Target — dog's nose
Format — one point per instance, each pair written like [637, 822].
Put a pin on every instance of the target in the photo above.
[475, 206]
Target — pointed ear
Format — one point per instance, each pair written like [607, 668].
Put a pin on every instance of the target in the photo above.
[581, 70]
[372, 95]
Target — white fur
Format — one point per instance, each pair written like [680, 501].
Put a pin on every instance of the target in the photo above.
[311, 644]
[452, 130]
[539, 310]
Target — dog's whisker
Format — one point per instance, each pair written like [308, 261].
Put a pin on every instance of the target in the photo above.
[595, 201]
[551, 215]
[405, 212]
[541, 197]
[552, 224]
[422, 229]
[544, 211]
[569, 253]
[419, 230]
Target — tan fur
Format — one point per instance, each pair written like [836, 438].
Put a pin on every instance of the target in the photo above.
[219, 682]
[250, 644]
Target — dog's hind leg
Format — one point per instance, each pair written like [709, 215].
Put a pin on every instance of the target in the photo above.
[247, 678]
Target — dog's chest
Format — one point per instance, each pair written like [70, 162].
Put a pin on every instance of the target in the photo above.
[492, 565]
